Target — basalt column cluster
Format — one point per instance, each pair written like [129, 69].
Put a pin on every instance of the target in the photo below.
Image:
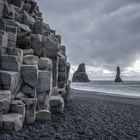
[33, 66]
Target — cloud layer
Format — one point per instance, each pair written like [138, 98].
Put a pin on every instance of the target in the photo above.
[101, 33]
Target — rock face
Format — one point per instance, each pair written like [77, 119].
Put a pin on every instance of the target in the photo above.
[80, 75]
[118, 78]
[34, 71]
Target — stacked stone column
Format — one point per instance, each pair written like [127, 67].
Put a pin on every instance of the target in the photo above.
[33, 66]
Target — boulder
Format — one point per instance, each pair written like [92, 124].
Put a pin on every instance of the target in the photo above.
[5, 100]
[30, 112]
[11, 122]
[118, 72]
[80, 75]
[56, 104]
[9, 81]
[43, 115]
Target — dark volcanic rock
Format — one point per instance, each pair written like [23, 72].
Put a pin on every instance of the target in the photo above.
[80, 75]
[118, 78]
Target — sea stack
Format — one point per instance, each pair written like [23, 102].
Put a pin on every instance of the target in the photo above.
[118, 78]
[80, 75]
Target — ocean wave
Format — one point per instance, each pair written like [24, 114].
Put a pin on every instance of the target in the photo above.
[124, 89]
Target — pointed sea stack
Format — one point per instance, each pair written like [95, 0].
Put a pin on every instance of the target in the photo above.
[118, 78]
[80, 75]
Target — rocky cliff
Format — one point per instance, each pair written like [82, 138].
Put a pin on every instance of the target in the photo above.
[33, 66]
[80, 75]
[118, 72]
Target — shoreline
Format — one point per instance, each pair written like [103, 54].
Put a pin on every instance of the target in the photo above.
[88, 116]
[110, 97]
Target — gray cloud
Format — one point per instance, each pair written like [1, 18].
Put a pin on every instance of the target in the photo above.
[101, 33]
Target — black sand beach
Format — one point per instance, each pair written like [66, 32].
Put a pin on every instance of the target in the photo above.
[90, 116]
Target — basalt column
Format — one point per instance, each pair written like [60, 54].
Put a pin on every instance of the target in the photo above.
[33, 66]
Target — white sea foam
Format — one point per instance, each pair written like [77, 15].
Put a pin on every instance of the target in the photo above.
[125, 88]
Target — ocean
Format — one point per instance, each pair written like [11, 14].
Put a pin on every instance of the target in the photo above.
[128, 88]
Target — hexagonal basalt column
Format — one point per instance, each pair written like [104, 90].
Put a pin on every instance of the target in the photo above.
[3, 39]
[29, 75]
[9, 63]
[30, 109]
[44, 87]
[5, 100]
[9, 81]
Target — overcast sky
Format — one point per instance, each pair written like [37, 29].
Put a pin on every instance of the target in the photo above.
[101, 33]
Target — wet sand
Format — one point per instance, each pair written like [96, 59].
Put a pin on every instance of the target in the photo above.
[89, 116]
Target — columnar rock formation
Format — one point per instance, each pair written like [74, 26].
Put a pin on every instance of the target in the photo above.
[118, 72]
[33, 66]
[80, 75]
